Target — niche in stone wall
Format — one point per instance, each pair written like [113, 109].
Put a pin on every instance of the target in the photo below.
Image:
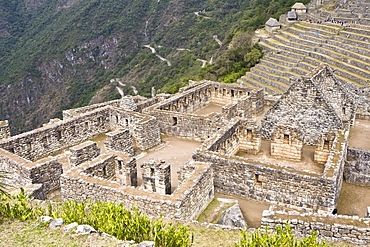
[286, 139]
[259, 179]
[174, 121]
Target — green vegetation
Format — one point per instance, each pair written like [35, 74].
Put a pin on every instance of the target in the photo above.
[107, 217]
[282, 237]
[55, 56]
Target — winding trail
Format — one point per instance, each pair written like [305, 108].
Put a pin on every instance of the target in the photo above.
[160, 57]
[203, 61]
[215, 37]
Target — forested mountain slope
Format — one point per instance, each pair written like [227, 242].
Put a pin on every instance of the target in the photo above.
[59, 54]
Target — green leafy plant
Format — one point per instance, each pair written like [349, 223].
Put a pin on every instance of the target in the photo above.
[124, 224]
[282, 237]
[19, 207]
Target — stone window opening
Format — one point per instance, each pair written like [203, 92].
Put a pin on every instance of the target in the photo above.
[151, 172]
[232, 93]
[223, 92]
[86, 125]
[344, 110]
[258, 179]
[119, 164]
[326, 144]
[100, 121]
[286, 139]
[117, 119]
[105, 171]
[249, 134]
[126, 120]
[29, 146]
[59, 135]
[73, 130]
[11, 149]
[174, 121]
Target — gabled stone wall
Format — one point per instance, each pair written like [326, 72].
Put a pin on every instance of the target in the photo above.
[307, 106]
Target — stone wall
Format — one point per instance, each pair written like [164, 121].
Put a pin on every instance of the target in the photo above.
[126, 171]
[186, 202]
[274, 183]
[357, 169]
[44, 141]
[176, 118]
[84, 152]
[103, 167]
[330, 227]
[144, 129]
[22, 172]
[120, 140]
[286, 142]
[198, 191]
[4, 129]
[156, 176]
[315, 103]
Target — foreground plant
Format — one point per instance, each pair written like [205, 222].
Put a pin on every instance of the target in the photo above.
[19, 207]
[282, 237]
[124, 224]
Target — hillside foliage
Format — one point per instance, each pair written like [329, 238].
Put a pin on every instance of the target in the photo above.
[59, 54]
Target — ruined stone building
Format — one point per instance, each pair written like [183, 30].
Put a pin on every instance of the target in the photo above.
[252, 147]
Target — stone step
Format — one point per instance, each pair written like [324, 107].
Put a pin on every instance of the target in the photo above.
[358, 31]
[306, 45]
[300, 70]
[348, 80]
[267, 81]
[355, 65]
[277, 69]
[272, 75]
[358, 58]
[306, 66]
[243, 82]
[317, 34]
[276, 60]
[345, 69]
[250, 81]
[350, 46]
[324, 26]
[287, 56]
[280, 46]
[327, 56]
[347, 55]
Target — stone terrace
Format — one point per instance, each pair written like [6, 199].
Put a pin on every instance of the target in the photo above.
[299, 47]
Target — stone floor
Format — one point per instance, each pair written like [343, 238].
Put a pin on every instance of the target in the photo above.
[208, 109]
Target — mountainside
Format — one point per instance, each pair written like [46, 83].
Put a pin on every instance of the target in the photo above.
[59, 54]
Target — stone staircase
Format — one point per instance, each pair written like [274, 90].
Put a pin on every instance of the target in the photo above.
[298, 48]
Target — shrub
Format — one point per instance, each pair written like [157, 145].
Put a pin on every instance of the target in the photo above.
[282, 237]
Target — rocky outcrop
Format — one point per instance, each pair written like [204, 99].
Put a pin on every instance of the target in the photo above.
[233, 217]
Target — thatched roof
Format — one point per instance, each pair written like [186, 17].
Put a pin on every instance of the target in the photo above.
[272, 23]
[299, 6]
[292, 15]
